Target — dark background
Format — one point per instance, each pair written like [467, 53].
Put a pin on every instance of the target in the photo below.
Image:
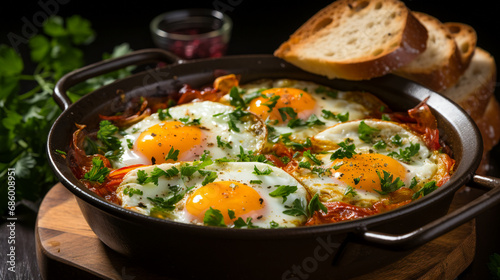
[259, 27]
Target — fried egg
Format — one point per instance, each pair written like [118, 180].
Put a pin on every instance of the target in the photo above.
[233, 190]
[305, 108]
[191, 129]
[358, 154]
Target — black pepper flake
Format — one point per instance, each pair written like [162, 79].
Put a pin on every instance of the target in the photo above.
[259, 217]
[142, 205]
[153, 134]
[153, 160]
[385, 164]
[261, 201]
[159, 144]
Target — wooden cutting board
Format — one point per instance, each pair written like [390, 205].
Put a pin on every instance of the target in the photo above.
[66, 246]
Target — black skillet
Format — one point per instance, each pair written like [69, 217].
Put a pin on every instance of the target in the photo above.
[333, 251]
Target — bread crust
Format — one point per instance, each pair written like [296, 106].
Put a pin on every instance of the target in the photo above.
[406, 46]
[439, 76]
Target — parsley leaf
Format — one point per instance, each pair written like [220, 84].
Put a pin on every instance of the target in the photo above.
[311, 121]
[239, 223]
[172, 154]
[312, 157]
[250, 157]
[406, 154]
[343, 117]
[350, 191]
[274, 224]
[316, 205]
[163, 114]
[298, 208]
[187, 121]
[346, 150]
[168, 203]
[223, 144]
[366, 132]
[425, 190]
[380, 145]
[397, 140]
[283, 191]
[331, 116]
[142, 177]
[214, 217]
[131, 191]
[236, 99]
[130, 144]
[188, 170]
[231, 214]
[158, 172]
[413, 183]
[287, 110]
[271, 102]
[387, 185]
[112, 143]
[210, 176]
[98, 172]
[258, 182]
[266, 171]
[305, 164]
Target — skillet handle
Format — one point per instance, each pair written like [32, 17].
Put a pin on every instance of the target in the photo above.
[442, 225]
[106, 66]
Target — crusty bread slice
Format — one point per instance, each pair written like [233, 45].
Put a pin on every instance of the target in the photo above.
[440, 65]
[356, 39]
[489, 126]
[466, 38]
[476, 86]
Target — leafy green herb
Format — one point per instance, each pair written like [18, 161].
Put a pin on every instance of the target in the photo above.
[316, 205]
[343, 117]
[224, 159]
[214, 217]
[266, 171]
[271, 102]
[386, 117]
[356, 180]
[188, 170]
[130, 144]
[380, 145]
[210, 176]
[98, 172]
[331, 116]
[61, 152]
[239, 223]
[311, 121]
[131, 191]
[312, 157]
[223, 144]
[285, 138]
[256, 182]
[112, 143]
[173, 154]
[285, 160]
[322, 89]
[287, 110]
[350, 191]
[320, 171]
[397, 140]
[338, 165]
[274, 224]
[346, 150]
[231, 214]
[413, 183]
[187, 121]
[253, 95]
[142, 177]
[366, 132]
[168, 203]
[298, 208]
[406, 154]
[163, 114]
[425, 190]
[234, 116]
[387, 184]
[158, 172]
[284, 191]
[250, 157]
[236, 99]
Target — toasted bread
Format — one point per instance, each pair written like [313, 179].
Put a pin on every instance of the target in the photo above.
[440, 65]
[356, 40]
[466, 38]
[476, 86]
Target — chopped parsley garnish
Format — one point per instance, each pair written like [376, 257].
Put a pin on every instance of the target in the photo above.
[234, 116]
[338, 165]
[425, 190]
[285, 138]
[305, 164]
[312, 157]
[406, 154]
[413, 183]
[172, 154]
[283, 191]
[380, 145]
[224, 159]
[142, 177]
[223, 144]
[214, 217]
[271, 102]
[366, 132]
[285, 160]
[356, 180]
[316, 205]
[231, 214]
[386, 117]
[346, 150]
[158, 172]
[168, 203]
[311, 121]
[188, 170]
[61, 152]
[130, 144]
[131, 191]
[331, 116]
[236, 99]
[210, 176]
[350, 191]
[239, 223]
[112, 143]
[387, 184]
[258, 182]
[343, 117]
[187, 121]
[397, 140]
[266, 171]
[299, 208]
[250, 157]
[163, 114]
[274, 224]
[253, 95]
[287, 110]
[320, 171]
[98, 172]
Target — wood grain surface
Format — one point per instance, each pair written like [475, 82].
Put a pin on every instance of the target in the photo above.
[67, 246]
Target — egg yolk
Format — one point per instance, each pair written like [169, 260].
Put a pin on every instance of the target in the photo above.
[224, 196]
[364, 167]
[156, 142]
[302, 103]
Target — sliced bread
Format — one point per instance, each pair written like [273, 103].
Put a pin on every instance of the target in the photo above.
[466, 38]
[356, 40]
[476, 86]
[440, 65]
